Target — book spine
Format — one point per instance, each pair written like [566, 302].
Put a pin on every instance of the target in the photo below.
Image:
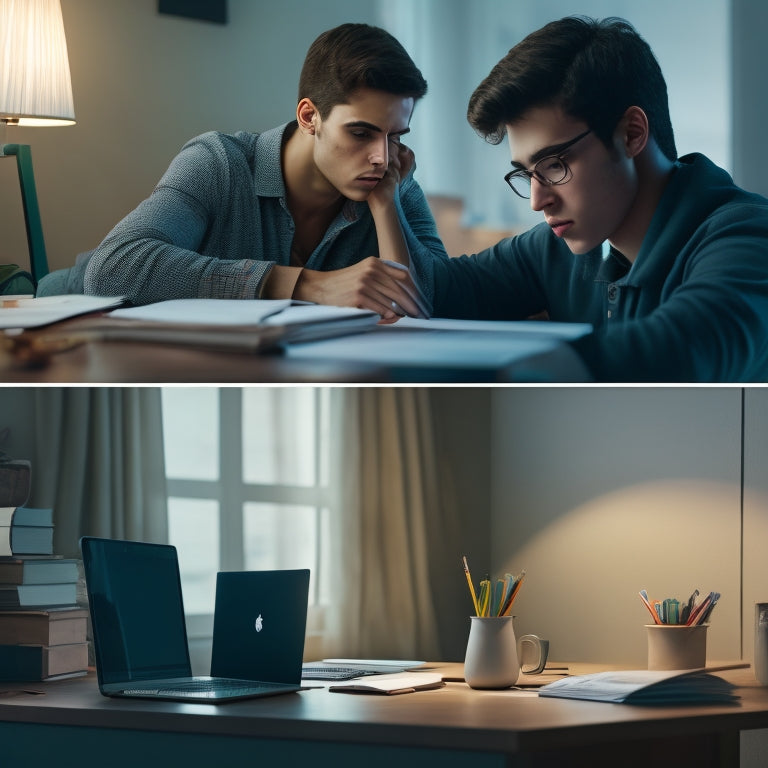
[37, 662]
[5, 541]
[38, 595]
[39, 629]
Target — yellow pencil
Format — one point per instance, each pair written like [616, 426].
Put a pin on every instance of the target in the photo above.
[471, 586]
[484, 600]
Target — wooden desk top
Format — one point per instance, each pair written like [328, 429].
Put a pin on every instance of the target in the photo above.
[454, 717]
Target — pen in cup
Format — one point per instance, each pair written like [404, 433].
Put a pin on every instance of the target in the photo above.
[471, 586]
[494, 600]
[669, 612]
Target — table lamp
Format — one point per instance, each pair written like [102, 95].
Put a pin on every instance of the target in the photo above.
[35, 89]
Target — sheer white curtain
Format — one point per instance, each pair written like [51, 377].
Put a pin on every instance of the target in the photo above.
[99, 463]
[386, 525]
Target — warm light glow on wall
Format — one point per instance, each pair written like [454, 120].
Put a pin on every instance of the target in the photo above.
[586, 565]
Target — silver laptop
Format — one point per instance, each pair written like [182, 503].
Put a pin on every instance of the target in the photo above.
[139, 631]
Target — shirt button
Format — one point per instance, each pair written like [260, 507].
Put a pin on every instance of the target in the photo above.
[613, 292]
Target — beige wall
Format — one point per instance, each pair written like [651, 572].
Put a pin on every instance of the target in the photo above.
[601, 492]
[463, 420]
[143, 84]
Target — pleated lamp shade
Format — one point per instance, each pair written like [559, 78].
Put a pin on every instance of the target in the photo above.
[35, 85]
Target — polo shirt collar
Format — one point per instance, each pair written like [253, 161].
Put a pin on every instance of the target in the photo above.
[268, 180]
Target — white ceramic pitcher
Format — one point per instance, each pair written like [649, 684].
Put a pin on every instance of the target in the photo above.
[491, 660]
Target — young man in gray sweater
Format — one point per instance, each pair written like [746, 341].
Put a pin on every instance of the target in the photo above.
[317, 209]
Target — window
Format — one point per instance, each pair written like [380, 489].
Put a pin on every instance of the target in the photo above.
[247, 475]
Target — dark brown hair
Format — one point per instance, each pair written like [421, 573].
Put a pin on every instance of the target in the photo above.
[353, 56]
[594, 70]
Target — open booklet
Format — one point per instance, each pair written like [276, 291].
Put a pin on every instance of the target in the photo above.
[389, 685]
[642, 686]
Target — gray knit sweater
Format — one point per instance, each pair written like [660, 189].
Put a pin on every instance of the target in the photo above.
[218, 220]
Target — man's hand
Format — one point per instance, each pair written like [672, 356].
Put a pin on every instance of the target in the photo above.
[369, 284]
[401, 160]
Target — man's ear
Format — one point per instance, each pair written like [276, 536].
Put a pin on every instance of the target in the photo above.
[635, 131]
[307, 116]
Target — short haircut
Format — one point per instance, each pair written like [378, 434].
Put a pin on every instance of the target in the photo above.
[353, 56]
[594, 70]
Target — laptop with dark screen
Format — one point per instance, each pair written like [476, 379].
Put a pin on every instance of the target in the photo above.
[259, 625]
[139, 630]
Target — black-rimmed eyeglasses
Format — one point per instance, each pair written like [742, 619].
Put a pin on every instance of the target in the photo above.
[550, 170]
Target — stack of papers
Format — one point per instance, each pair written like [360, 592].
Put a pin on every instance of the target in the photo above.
[647, 687]
[234, 324]
[245, 324]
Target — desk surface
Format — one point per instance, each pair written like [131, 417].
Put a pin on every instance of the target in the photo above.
[106, 362]
[509, 723]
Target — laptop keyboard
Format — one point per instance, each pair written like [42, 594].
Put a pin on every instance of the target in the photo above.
[334, 673]
[198, 687]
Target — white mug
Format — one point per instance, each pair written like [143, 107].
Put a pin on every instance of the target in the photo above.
[493, 655]
[491, 660]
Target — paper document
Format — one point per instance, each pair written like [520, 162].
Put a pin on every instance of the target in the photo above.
[229, 312]
[205, 311]
[640, 686]
[388, 345]
[34, 313]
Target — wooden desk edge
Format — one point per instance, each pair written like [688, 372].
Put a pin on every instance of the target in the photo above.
[450, 721]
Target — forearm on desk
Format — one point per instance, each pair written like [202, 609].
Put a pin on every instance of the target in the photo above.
[281, 283]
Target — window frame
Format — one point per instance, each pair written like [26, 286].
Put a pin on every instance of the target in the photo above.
[231, 492]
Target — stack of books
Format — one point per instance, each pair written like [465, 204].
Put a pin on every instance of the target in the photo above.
[43, 632]
[26, 531]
